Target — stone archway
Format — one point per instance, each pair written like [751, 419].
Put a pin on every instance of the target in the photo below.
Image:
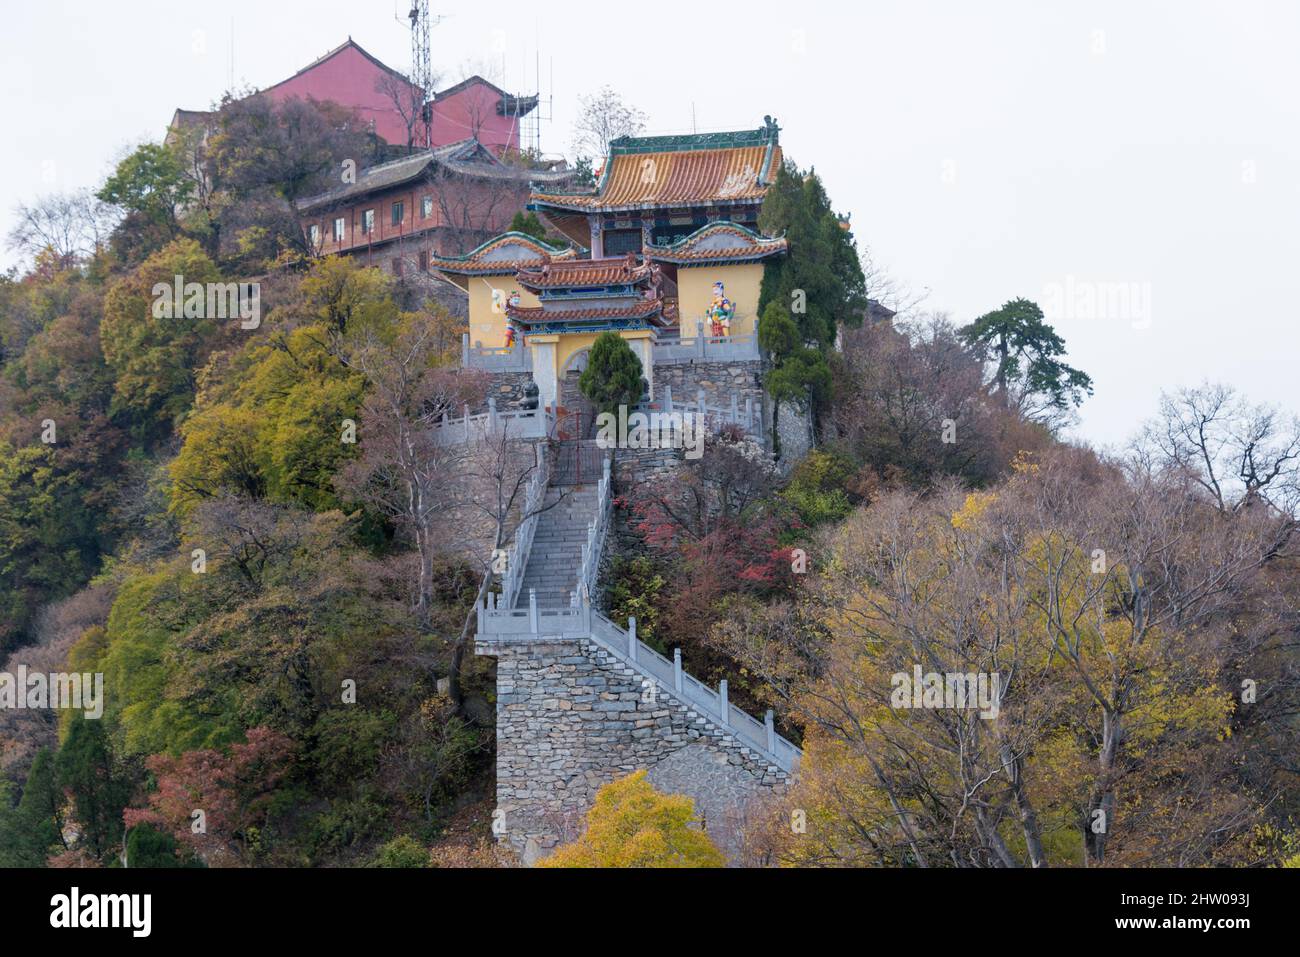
[576, 413]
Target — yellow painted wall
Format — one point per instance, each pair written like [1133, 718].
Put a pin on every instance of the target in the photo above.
[569, 345]
[741, 283]
[486, 326]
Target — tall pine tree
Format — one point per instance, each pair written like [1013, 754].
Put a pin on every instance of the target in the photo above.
[807, 293]
[819, 281]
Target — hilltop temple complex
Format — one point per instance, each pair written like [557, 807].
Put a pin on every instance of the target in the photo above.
[664, 250]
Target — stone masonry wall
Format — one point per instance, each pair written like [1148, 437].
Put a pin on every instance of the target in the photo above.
[794, 425]
[572, 717]
[719, 380]
[507, 388]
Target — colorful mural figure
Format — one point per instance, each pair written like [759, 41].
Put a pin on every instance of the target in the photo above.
[513, 302]
[720, 311]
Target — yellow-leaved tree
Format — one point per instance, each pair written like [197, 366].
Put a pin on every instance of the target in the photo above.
[633, 825]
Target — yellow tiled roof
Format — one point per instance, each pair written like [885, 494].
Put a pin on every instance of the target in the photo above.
[688, 170]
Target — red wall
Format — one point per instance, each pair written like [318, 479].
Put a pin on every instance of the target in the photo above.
[473, 112]
[349, 78]
[473, 209]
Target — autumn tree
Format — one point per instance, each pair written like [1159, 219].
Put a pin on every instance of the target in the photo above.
[482, 513]
[152, 184]
[265, 155]
[633, 825]
[1238, 453]
[154, 359]
[233, 790]
[713, 529]
[1101, 598]
[910, 407]
[402, 470]
[409, 101]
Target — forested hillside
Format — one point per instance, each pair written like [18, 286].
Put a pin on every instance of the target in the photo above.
[219, 520]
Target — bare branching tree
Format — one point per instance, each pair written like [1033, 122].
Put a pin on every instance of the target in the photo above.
[72, 226]
[1237, 452]
[482, 512]
[402, 471]
[604, 116]
[408, 100]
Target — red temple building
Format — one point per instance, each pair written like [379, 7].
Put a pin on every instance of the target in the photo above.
[437, 202]
[384, 98]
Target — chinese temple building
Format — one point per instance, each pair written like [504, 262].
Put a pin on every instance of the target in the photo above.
[664, 246]
[350, 76]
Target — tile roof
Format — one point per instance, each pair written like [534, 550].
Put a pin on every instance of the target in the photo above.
[718, 242]
[585, 272]
[501, 255]
[700, 169]
[349, 43]
[653, 309]
[508, 104]
[468, 157]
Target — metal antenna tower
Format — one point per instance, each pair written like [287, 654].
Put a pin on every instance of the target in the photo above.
[422, 59]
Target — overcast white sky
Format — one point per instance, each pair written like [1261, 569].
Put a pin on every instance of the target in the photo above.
[985, 151]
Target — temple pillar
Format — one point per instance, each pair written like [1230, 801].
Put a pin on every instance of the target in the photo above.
[544, 372]
[642, 343]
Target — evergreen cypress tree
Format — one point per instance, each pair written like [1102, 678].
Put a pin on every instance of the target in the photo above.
[807, 293]
[85, 767]
[819, 282]
[613, 374]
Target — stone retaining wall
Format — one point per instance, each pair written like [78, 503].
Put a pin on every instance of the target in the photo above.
[572, 717]
[719, 380]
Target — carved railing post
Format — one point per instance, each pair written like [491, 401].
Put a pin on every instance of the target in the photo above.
[533, 623]
[677, 670]
[769, 720]
[722, 699]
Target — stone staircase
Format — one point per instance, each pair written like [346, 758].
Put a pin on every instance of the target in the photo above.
[556, 556]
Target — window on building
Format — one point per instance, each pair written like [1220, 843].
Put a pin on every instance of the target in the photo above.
[313, 233]
[367, 222]
[397, 265]
[426, 207]
[339, 224]
[620, 242]
[424, 260]
[399, 212]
